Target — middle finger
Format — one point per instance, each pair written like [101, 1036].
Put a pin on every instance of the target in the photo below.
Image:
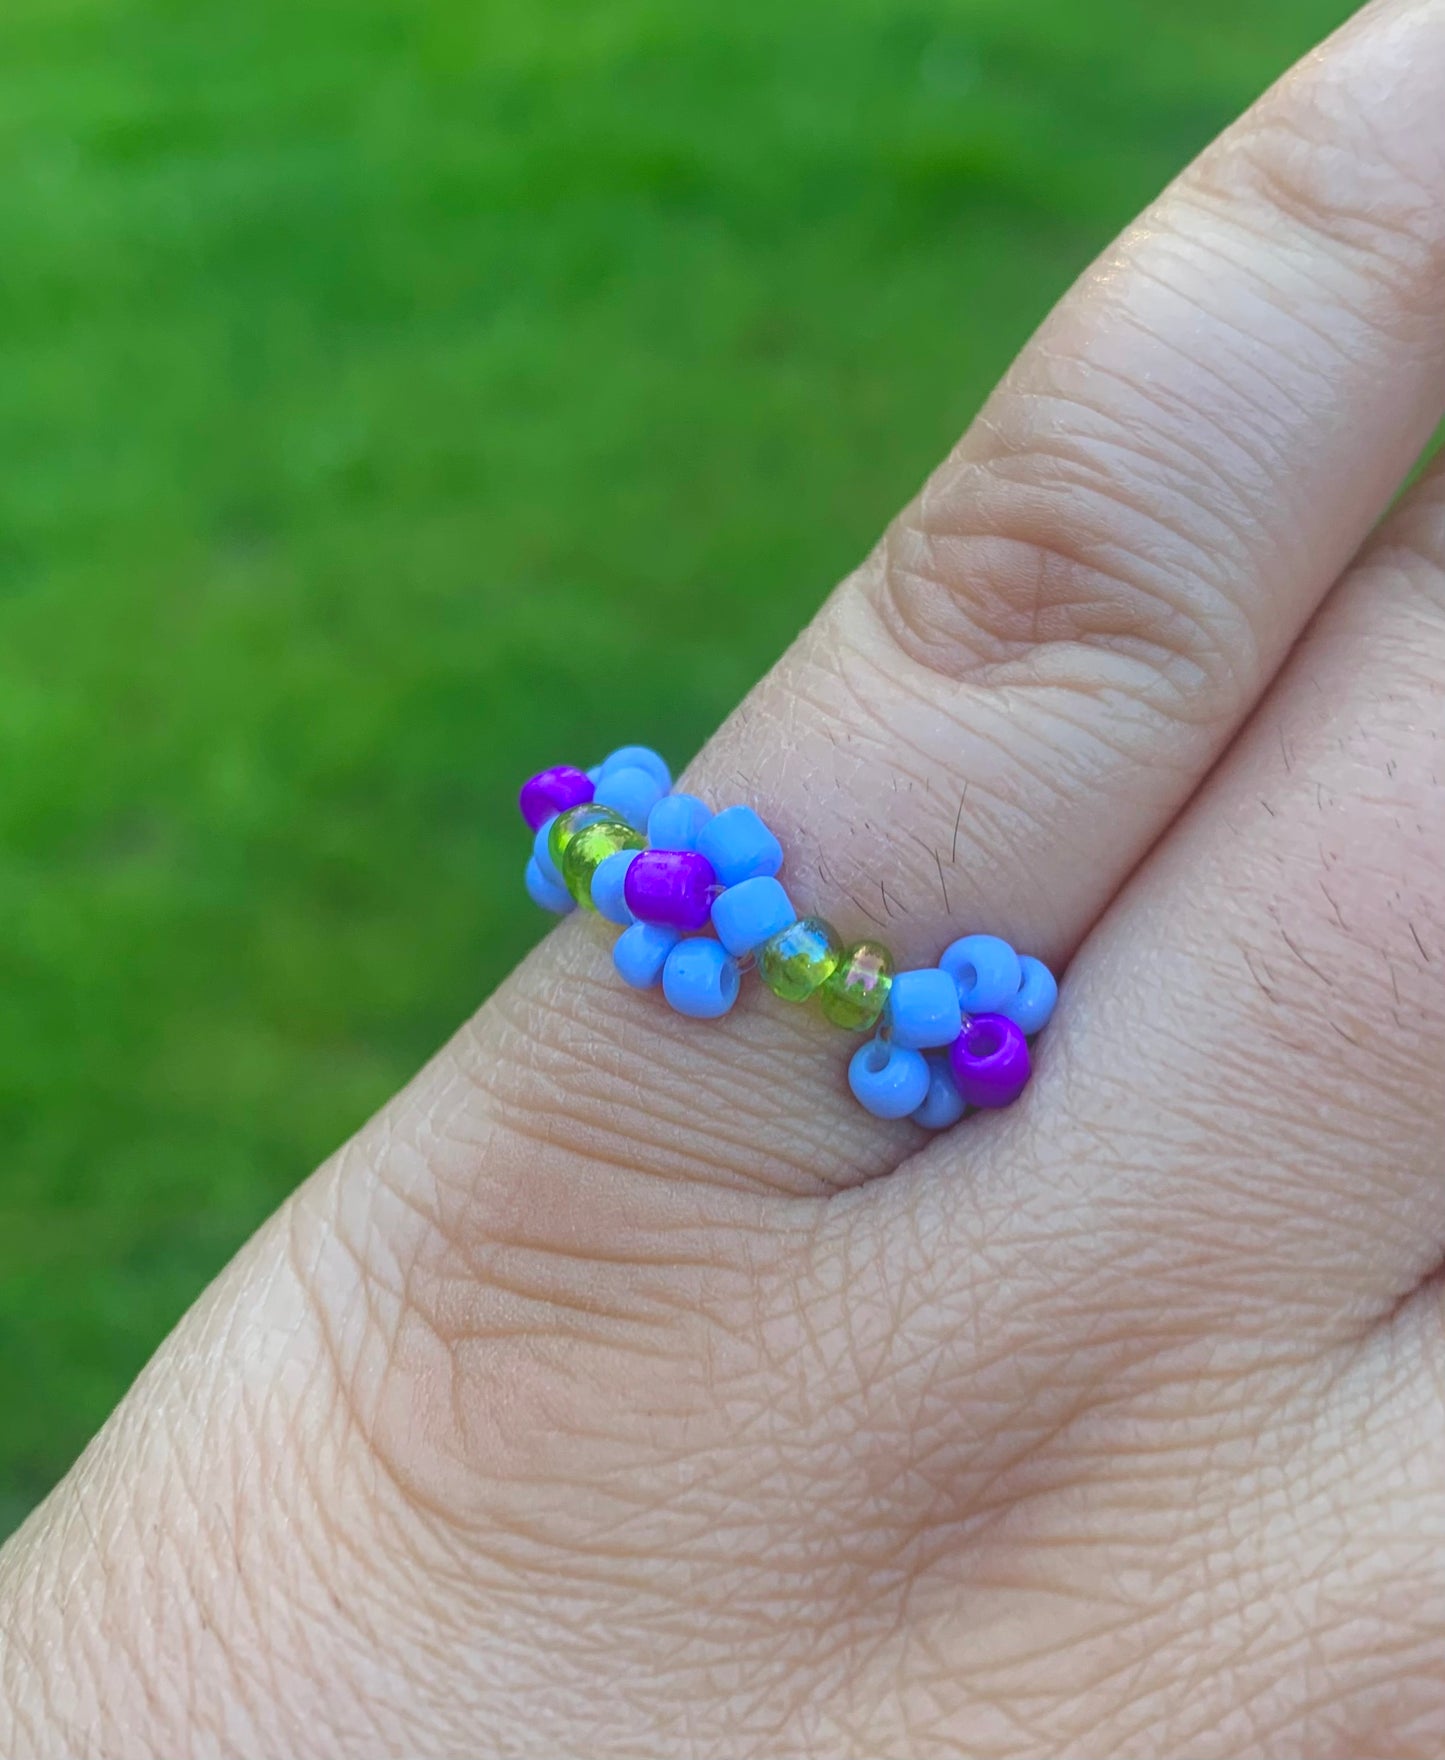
[1257, 1029]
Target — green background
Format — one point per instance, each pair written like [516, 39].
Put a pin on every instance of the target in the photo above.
[397, 396]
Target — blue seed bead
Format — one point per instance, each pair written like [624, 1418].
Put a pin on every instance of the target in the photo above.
[986, 970]
[750, 913]
[631, 792]
[551, 896]
[739, 846]
[542, 855]
[944, 1105]
[637, 758]
[887, 1080]
[1034, 1001]
[700, 978]
[607, 883]
[923, 1011]
[676, 820]
[640, 953]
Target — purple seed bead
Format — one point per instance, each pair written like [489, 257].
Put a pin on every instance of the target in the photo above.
[553, 791]
[990, 1060]
[672, 888]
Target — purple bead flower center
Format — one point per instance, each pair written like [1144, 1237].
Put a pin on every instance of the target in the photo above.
[553, 791]
[990, 1060]
[672, 888]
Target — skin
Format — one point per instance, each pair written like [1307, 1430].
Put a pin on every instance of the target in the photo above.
[623, 1389]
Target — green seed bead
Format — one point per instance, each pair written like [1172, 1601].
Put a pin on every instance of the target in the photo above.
[857, 992]
[798, 960]
[566, 826]
[586, 846]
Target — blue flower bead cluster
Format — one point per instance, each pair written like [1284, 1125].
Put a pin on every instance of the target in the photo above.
[699, 901]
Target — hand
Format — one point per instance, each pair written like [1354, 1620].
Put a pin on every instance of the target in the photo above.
[624, 1389]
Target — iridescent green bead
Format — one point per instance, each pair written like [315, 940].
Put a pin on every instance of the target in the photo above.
[566, 826]
[587, 845]
[799, 960]
[857, 992]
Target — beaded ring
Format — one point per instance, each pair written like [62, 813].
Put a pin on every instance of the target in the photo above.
[699, 901]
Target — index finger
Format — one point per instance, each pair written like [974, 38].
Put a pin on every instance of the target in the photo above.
[988, 726]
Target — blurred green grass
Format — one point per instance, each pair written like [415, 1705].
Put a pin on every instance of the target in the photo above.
[396, 396]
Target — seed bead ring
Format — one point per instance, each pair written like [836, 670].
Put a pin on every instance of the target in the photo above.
[697, 895]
